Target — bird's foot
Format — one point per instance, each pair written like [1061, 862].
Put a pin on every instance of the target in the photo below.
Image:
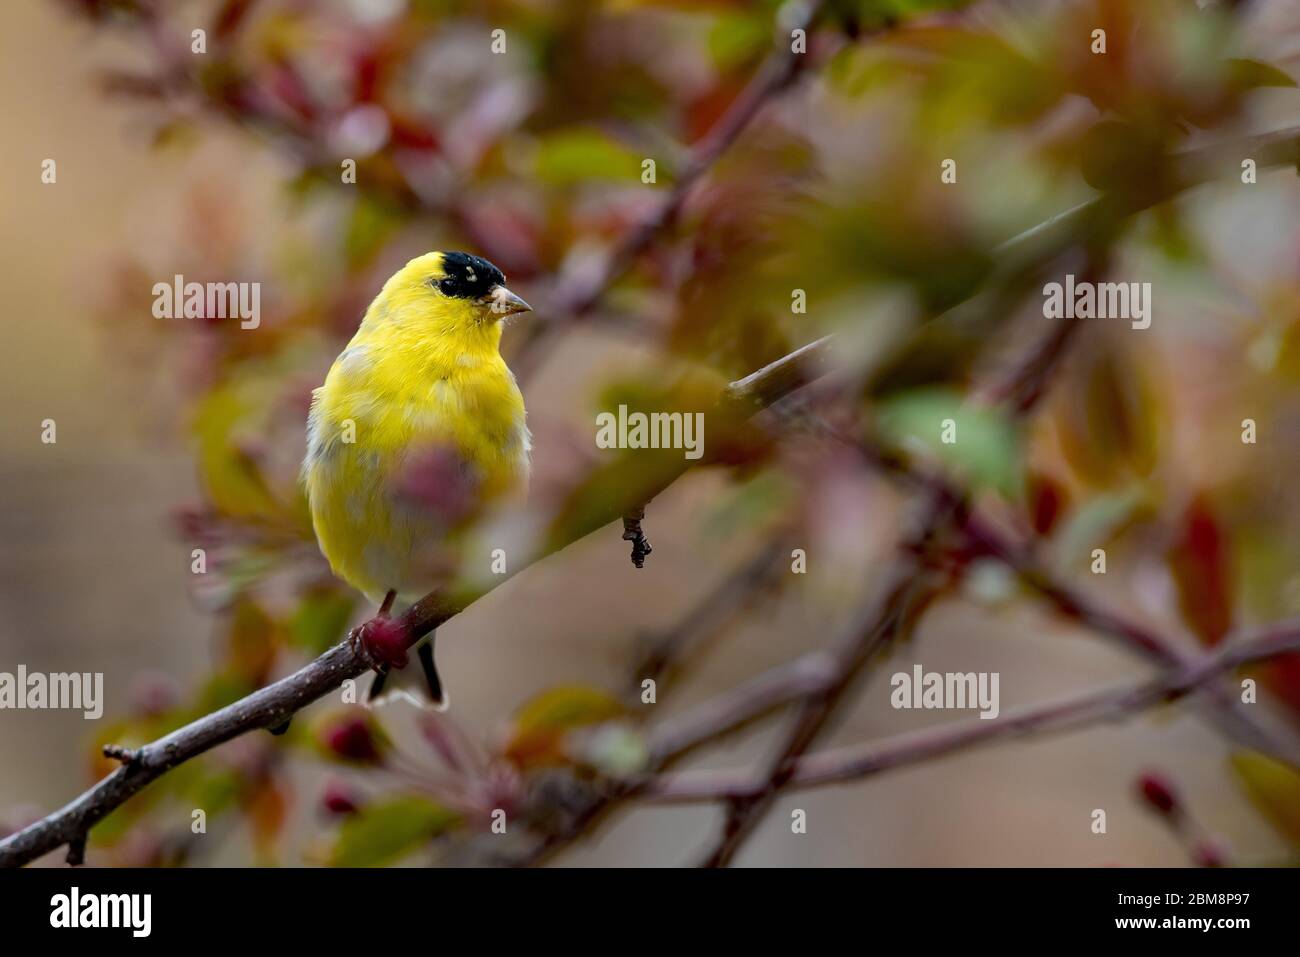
[633, 533]
[381, 642]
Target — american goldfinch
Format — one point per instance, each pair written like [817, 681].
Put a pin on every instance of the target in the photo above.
[418, 425]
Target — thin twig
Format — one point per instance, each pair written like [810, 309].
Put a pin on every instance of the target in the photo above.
[853, 763]
[1024, 388]
[913, 589]
[666, 653]
[579, 293]
[874, 629]
[1227, 711]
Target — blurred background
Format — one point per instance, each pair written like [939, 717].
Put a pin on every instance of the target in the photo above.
[179, 434]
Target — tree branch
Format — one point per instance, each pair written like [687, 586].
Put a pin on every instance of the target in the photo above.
[853, 763]
[666, 653]
[876, 629]
[271, 706]
[1020, 391]
[1230, 715]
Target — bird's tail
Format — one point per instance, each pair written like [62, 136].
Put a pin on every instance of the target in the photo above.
[418, 682]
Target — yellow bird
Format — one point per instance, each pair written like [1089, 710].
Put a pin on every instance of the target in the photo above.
[418, 425]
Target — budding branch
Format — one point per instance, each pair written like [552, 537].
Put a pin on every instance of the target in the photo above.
[815, 681]
[273, 705]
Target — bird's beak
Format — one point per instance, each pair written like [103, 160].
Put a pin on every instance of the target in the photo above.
[504, 303]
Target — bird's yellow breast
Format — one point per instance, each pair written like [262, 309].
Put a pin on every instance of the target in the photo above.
[402, 389]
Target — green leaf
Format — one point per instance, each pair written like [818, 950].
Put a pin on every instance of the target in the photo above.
[232, 480]
[892, 10]
[221, 689]
[380, 834]
[1111, 430]
[568, 707]
[114, 826]
[576, 155]
[320, 619]
[1274, 788]
[1096, 522]
[858, 70]
[1252, 74]
[217, 791]
[538, 729]
[752, 504]
[737, 37]
[616, 749]
[986, 447]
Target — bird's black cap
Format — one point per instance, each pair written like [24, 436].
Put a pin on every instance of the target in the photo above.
[468, 277]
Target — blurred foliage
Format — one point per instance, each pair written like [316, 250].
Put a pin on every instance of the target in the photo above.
[538, 731]
[978, 443]
[382, 833]
[533, 158]
[1274, 787]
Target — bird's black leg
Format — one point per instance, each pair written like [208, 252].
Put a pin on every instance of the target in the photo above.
[377, 686]
[431, 679]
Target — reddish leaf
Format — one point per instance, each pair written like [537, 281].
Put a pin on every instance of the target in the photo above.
[1200, 563]
[268, 809]
[1047, 502]
[1282, 677]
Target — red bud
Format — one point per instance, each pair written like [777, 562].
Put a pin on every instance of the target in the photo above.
[1209, 853]
[1158, 793]
[340, 799]
[353, 740]
[386, 639]
[1046, 502]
